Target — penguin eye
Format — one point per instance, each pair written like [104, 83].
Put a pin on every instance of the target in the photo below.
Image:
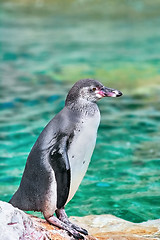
[94, 89]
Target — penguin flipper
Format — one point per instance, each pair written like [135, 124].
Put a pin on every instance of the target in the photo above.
[60, 163]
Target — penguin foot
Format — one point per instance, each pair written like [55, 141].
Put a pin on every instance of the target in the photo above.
[78, 229]
[62, 216]
[58, 223]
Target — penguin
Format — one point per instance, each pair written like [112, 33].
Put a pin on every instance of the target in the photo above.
[60, 157]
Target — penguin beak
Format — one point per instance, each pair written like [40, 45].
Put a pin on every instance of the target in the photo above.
[109, 92]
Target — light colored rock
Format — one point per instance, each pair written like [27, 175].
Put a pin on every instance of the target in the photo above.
[17, 225]
[109, 227]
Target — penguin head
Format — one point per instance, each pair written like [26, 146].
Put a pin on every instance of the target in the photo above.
[90, 90]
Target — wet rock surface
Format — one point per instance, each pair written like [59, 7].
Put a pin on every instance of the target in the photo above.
[17, 225]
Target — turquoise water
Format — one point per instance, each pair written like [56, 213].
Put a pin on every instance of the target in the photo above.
[45, 47]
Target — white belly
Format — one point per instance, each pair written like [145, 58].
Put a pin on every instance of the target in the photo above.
[81, 150]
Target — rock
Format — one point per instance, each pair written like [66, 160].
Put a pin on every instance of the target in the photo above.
[109, 227]
[17, 225]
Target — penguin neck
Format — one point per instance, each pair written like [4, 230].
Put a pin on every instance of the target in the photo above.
[83, 106]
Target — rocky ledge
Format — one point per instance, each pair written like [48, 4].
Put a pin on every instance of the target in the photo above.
[17, 225]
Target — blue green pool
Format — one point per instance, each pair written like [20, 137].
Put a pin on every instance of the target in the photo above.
[44, 48]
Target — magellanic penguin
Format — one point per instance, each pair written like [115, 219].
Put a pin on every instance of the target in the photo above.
[60, 157]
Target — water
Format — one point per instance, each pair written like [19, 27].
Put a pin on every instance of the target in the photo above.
[45, 47]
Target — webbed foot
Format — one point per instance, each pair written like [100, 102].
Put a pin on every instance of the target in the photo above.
[61, 215]
[57, 222]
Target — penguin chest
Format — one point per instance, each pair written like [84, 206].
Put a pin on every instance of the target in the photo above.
[81, 149]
